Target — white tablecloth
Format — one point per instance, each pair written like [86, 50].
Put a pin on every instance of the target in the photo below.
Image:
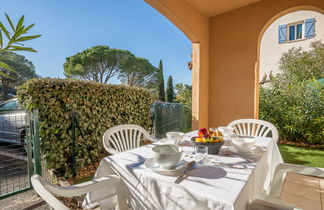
[225, 182]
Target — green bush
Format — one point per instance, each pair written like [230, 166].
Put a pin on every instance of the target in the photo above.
[99, 107]
[293, 100]
[298, 112]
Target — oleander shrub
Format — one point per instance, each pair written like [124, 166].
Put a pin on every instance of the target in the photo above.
[98, 107]
[293, 100]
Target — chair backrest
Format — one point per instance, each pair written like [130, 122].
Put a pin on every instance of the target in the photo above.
[39, 185]
[253, 127]
[124, 137]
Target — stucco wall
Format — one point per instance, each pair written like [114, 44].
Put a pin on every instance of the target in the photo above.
[271, 51]
[234, 57]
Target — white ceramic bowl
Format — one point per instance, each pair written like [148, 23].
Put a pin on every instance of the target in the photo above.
[175, 137]
[226, 130]
[243, 145]
[167, 155]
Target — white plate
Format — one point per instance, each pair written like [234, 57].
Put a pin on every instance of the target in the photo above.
[232, 149]
[150, 163]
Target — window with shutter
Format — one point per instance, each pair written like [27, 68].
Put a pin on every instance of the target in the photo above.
[310, 28]
[282, 33]
[295, 31]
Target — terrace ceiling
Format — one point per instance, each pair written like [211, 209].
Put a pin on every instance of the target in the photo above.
[211, 8]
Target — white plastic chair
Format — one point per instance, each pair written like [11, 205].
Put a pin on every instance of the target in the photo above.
[253, 127]
[124, 137]
[46, 190]
[273, 200]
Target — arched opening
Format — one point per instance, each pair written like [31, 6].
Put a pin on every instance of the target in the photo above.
[288, 76]
[264, 29]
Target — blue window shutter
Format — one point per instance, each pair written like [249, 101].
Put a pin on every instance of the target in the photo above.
[282, 33]
[310, 28]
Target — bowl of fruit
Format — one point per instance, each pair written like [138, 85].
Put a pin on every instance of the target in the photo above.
[212, 139]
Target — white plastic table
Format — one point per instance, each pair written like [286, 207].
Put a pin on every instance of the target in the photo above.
[227, 181]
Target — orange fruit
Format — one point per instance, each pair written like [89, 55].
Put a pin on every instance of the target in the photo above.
[199, 139]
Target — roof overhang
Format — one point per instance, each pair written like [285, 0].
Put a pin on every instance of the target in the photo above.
[212, 8]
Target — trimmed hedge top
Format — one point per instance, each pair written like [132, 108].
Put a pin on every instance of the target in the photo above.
[99, 107]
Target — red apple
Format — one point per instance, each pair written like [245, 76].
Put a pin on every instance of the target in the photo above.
[203, 130]
[200, 134]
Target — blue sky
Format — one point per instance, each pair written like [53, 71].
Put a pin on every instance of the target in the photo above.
[68, 27]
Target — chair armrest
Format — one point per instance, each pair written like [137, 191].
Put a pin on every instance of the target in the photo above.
[83, 188]
[45, 188]
[38, 185]
[282, 169]
[271, 205]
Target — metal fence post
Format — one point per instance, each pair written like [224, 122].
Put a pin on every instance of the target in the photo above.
[36, 142]
[29, 144]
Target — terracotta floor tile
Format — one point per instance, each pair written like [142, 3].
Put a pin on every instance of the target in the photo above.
[301, 202]
[312, 193]
[302, 179]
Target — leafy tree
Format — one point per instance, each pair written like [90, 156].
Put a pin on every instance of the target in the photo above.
[138, 72]
[24, 70]
[184, 94]
[301, 65]
[169, 90]
[160, 83]
[14, 40]
[99, 63]
[294, 98]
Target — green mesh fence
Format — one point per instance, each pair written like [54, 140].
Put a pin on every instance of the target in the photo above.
[170, 117]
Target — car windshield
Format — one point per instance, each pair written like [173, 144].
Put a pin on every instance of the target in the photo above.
[9, 105]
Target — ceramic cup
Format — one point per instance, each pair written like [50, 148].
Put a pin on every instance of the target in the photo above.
[167, 155]
[243, 145]
[175, 137]
[227, 131]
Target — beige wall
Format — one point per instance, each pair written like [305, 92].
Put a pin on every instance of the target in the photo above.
[226, 54]
[234, 54]
[271, 51]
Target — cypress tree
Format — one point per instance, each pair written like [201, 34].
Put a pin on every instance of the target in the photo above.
[169, 90]
[160, 84]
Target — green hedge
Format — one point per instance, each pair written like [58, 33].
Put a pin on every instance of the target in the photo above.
[99, 107]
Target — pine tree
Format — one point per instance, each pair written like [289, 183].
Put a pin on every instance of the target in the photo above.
[169, 90]
[160, 84]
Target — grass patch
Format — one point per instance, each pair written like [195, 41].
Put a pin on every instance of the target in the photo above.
[302, 155]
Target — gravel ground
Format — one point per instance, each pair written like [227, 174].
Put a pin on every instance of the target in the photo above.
[24, 201]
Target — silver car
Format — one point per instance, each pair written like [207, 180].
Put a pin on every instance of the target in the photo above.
[12, 122]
